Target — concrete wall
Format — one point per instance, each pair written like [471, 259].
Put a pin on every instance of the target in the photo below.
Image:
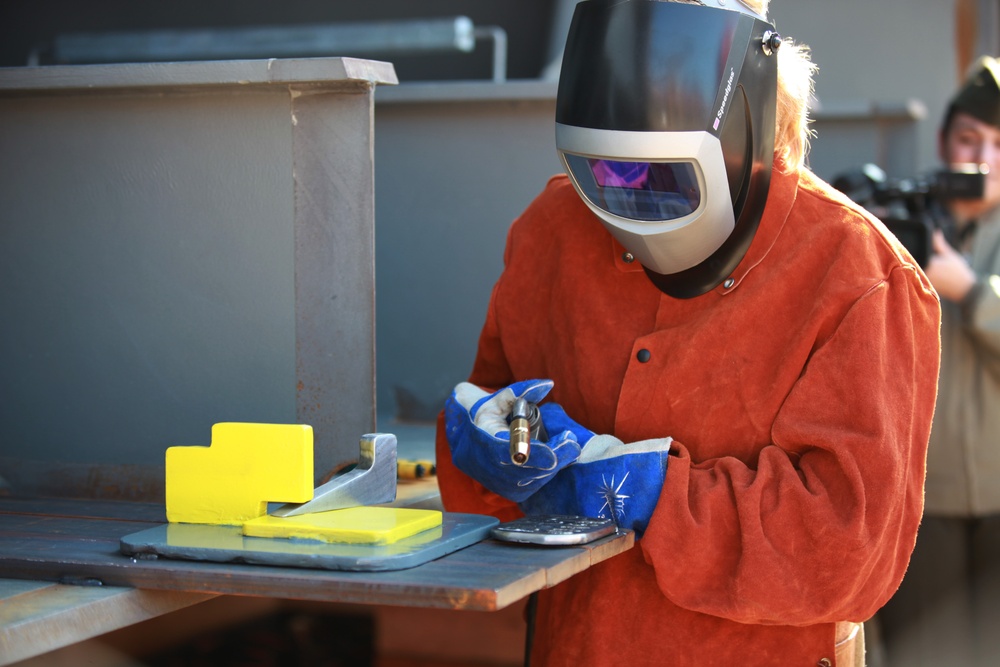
[455, 165]
[873, 55]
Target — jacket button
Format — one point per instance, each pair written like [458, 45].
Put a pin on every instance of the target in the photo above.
[729, 283]
[628, 257]
[824, 662]
[643, 356]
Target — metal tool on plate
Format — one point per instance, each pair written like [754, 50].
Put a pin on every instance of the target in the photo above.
[371, 482]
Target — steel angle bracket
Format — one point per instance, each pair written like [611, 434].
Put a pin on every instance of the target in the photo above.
[371, 482]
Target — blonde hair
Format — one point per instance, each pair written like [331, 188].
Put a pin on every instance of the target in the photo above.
[795, 91]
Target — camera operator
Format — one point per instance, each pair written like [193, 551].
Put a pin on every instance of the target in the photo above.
[947, 611]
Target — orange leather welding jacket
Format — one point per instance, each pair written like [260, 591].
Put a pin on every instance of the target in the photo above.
[799, 394]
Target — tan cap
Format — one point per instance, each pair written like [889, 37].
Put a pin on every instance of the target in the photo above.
[980, 95]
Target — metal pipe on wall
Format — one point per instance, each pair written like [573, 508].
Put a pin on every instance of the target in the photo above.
[562, 15]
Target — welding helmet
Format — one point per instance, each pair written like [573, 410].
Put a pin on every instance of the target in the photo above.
[665, 124]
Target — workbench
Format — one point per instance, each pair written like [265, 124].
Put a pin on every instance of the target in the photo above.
[205, 231]
[62, 562]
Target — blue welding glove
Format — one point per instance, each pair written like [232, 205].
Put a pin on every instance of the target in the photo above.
[555, 420]
[610, 479]
[479, 438]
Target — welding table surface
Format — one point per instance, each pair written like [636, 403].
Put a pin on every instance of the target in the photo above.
[77, 541]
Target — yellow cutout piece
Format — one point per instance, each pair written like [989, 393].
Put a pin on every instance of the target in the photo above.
[354, 525]
[246, 466]
[204, 536]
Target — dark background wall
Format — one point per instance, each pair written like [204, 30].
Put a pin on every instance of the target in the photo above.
[27, 25]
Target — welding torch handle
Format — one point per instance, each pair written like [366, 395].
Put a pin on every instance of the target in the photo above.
[520, 431]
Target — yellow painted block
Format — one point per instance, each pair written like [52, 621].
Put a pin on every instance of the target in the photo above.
[246, 466]
[204, 536]
[354, 525]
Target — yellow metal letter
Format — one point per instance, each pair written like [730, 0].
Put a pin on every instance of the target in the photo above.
[354, 525]
[245, 467]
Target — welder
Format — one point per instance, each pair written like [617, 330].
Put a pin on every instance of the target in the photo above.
[730, 358]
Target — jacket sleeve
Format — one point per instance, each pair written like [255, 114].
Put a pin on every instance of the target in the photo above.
[821, 526]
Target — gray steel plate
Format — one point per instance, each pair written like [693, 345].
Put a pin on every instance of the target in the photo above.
[227, 544]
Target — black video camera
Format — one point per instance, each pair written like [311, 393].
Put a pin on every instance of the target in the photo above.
[912, 208]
